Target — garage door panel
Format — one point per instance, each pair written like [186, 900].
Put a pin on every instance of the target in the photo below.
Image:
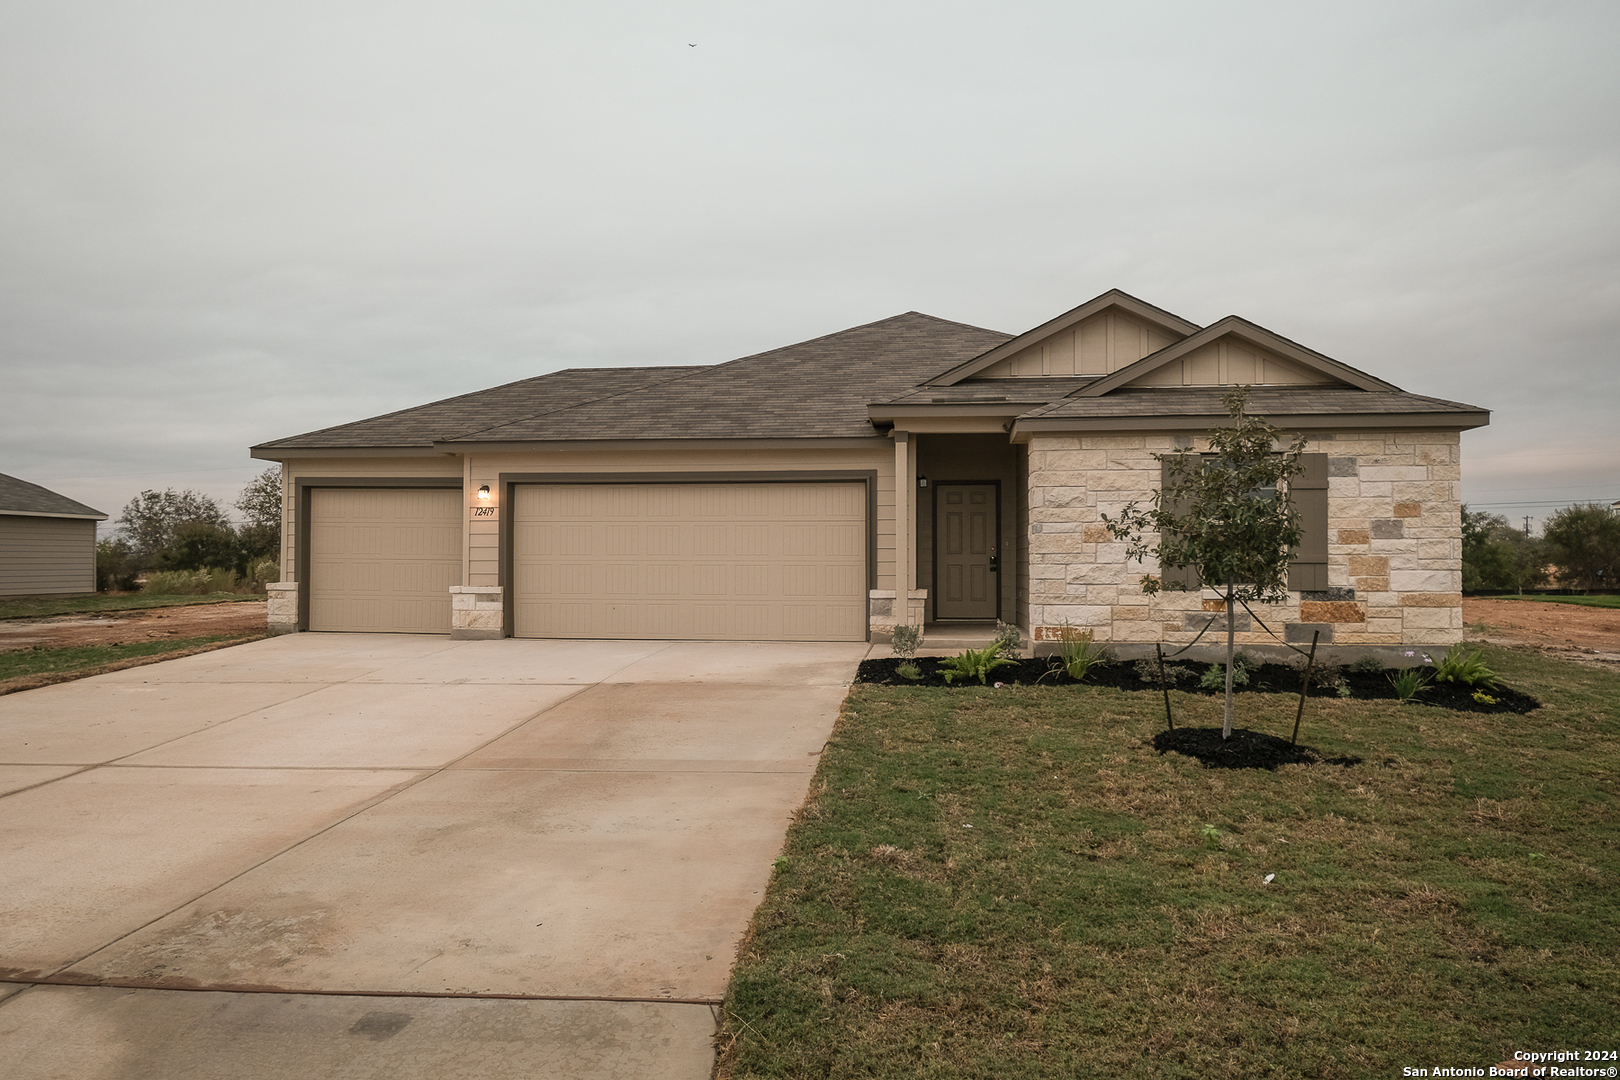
[383, 560]
[727, 555]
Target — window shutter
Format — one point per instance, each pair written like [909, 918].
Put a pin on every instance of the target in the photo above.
[1308, 492]
[1178, 576]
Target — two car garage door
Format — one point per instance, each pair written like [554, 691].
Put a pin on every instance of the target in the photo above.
[723, 562]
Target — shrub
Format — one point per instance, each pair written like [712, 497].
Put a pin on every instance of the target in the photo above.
[1009, 640]
[263, 572]
[1148, 672]
[1408, 682]
[190, 582]
[1078, 654]
[1214, 677]
[906, 640]
[1368, 665]
[1465, 667]
[115, 567]
[978, 663]
[909, 671]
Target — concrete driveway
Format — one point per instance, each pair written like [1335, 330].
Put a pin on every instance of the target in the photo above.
[387, 855]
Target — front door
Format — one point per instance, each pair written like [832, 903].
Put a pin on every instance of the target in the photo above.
[966, 562]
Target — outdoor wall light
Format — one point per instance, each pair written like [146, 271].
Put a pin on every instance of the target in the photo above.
[483, 493]
[922, 481]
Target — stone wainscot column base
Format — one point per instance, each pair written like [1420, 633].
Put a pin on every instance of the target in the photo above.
[882, 618]
[283, 617]
[477, 613]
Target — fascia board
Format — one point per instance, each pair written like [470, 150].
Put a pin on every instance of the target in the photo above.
[955, 425]
[566, 445]
[1337, 422]
[273, 453]
[1241, 328]
[1139, 309]
[47, 514]
[886, 413]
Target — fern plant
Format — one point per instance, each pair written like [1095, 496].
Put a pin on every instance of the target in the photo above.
[974, 663]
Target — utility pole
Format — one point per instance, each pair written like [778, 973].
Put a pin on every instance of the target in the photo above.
[1527, 525]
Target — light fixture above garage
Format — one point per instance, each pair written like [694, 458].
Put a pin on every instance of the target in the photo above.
[483, 493]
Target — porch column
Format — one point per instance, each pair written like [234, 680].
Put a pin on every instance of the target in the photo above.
[905, 524]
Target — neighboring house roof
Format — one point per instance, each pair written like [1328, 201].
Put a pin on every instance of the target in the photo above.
[853, 383]
[21, 498]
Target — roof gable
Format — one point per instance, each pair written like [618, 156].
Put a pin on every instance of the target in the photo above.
[1100, 336]
[1235, 352]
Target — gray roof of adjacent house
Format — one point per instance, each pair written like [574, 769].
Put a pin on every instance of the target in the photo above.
[846, 385]
[31, 500]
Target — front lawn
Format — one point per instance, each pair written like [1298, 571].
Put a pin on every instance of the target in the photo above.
[1014, 883]
[17, 663]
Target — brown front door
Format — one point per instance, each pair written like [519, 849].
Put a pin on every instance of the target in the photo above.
[965, 555]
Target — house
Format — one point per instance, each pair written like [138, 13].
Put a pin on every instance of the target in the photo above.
[909, 471]
[47, 541]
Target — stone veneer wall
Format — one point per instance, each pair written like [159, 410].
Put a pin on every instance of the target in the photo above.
[1394, 536]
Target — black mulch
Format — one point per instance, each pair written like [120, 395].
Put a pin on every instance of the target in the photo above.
[1244, 750]
[1265, 679]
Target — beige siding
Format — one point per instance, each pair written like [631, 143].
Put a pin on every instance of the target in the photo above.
[1227, 363]
[1099, 345]
[727, 561]
[41, 555]
[383, 559]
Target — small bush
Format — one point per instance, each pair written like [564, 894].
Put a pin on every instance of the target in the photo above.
[1148, 672]
[909, 671]
[1214, 677]
[906, 640]
[1408, 683]
[975, 663]
[1368, 665]
[1009, 640]
[263, 572]
[1078, 654]
[1464, 666]
[190, 582]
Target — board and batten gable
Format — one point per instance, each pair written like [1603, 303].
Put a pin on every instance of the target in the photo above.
[1100, 345]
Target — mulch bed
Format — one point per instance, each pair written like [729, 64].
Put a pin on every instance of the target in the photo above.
[1264, 679]
[1244, 750]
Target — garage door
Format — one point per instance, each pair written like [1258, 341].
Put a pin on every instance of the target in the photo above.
[383, 559]
[720, 562]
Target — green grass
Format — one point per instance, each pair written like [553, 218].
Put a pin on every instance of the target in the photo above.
[1579, 601]
[1452, 899]
[39, 607]
[38, 661]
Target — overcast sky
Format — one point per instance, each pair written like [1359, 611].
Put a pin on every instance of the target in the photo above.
[223, 223]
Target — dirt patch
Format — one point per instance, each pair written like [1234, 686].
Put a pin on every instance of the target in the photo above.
[128, 627]
[1567, 631]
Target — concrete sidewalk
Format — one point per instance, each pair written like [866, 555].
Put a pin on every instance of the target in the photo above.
[357, 855]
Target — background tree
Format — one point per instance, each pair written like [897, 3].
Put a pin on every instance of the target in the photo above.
[1584, 542]
[260, 502]
[150, 519]
[1498, 557]
[200, 545]
[1224, 514]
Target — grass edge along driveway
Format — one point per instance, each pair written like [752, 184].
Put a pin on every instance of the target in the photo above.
[1013, 883]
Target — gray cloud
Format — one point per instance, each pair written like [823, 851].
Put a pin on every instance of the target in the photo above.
[223, 225]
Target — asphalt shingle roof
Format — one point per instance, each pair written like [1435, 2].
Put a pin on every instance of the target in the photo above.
[1262, 401]
[19, 496]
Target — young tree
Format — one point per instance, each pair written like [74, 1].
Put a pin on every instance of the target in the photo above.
[1585, 543]
[260, 503]
[1224, 514]
[150, 519]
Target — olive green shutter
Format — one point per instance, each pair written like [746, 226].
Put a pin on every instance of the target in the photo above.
[1169, 470]
[1308, 492]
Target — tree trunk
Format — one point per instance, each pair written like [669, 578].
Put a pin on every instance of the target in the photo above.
[1226, 727]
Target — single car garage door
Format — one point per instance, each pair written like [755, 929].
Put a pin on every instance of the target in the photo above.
[383, 559]
[718, 562]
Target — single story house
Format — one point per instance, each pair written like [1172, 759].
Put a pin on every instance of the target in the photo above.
[909, 471]
[47, 541]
